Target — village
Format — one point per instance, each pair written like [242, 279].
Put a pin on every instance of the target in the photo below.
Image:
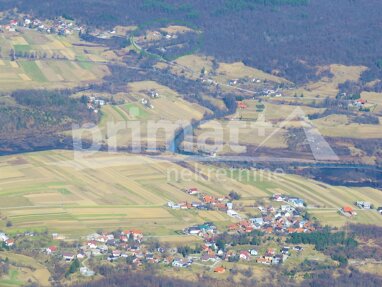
[214, 249]
[59, 26]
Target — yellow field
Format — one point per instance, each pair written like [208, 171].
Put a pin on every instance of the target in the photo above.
[176, 29]
[375, 99]
[239, 70]
[195, 63]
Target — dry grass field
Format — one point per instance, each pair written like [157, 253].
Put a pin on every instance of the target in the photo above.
[192, 65]
[238, 70]
[375, 100]
[328, 86]
[60, 62]
[339, 126]
[195, 63]
[267, 127]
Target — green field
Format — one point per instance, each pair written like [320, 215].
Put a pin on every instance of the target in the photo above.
[33, 71]
[22, 48]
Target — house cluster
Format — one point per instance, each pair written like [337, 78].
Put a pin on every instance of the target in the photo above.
[211, 253]
[204, 202]
[110, 246]
[205, 230]
[272, 258]
[5, 240]
[208, 81]
[57, 26]
[292, 200]
[271, 93]
[95, 104]
[153, 94]
[254, 80]
[128, 245]
[283, 220]
[359, 103]
[233, 82]
[156, 35]
[241, 105]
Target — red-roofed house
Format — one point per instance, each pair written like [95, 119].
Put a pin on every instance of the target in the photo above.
[9, 242]
[220, 269]
[348, 211]
[245, 255]
[208, 199]
[51, 249]
[241, 105]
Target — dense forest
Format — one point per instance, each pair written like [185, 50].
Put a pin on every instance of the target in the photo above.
[290, 37]
[33, 119]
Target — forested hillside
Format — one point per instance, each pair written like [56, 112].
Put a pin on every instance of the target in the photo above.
[289, 37]
[33, 119]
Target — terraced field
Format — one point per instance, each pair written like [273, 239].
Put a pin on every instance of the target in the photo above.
[49, 190]
[109, 191]
[323, 200]
[48, 61]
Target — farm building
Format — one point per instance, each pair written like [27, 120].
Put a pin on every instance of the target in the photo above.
[348, 211]
[363, 204]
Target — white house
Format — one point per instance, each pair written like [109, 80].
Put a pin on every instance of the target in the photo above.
[173, 205]
[229, 205]
[363, 204]
[3, 237]
[232, 213]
